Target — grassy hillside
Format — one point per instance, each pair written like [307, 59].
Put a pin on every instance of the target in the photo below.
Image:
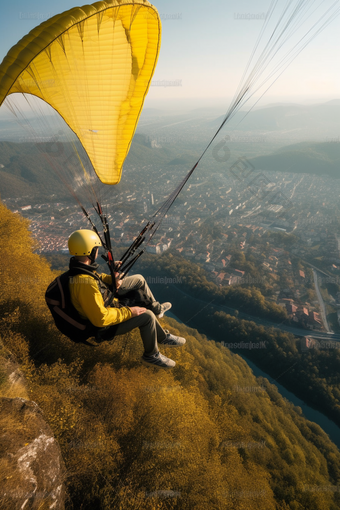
[206, 435]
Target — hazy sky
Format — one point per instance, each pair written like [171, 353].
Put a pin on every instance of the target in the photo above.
[205, 47]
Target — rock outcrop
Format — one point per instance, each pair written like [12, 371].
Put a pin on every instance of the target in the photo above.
[32, 470]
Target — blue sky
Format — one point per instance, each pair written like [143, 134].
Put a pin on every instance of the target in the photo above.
[205, 47]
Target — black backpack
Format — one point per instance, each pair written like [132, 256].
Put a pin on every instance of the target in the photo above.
[66, 317]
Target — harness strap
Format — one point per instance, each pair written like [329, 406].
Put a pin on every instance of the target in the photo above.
[77, 268]
[61, 293]
[69, 319]
[52, 301]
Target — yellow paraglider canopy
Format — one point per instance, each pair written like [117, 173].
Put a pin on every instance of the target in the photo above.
[93, 65]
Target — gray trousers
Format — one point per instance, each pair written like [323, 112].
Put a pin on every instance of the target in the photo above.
[148, 325]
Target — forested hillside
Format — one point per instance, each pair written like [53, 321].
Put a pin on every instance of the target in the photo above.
[207, 435]
[311, 374]
[32, 168]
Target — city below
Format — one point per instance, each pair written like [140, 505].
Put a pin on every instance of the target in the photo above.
[211, 223]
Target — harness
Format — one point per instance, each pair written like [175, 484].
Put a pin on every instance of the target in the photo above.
[58, 298]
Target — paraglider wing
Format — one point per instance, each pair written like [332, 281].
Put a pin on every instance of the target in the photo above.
[94, 66]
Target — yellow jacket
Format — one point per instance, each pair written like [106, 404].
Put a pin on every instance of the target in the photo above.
[88, 301]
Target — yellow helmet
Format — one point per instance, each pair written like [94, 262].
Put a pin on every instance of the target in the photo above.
[82, 242]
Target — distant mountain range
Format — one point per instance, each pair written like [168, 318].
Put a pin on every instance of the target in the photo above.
[311, 158]
[24, 170]
[320, 120]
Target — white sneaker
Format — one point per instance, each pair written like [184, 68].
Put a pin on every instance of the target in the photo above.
[158, 360]
[164, 308]
[172, 340]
